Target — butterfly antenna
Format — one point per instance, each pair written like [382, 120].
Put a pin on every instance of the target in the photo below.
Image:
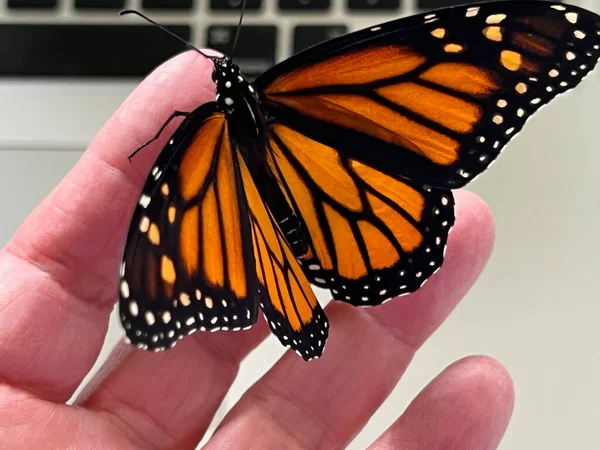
[239, 27]
[187, 44]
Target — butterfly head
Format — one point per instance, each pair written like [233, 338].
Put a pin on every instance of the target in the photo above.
[232, 87]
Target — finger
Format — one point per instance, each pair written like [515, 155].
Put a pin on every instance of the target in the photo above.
[323, 404]
[58, 274]
[468, 406]
[168, 399]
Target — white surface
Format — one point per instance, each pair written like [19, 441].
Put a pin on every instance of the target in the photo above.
[535, 308]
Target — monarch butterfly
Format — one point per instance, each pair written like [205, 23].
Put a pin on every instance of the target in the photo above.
[336, 168]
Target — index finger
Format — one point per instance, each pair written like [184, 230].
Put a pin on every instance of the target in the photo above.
[58, 274]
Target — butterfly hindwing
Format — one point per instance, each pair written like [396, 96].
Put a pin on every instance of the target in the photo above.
[370, 236]
[188, 263]
[435, 97]
[288, 302]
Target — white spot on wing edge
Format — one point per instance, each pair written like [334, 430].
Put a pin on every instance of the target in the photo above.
[124, 289]
[150, 319]
[472, 11]
[144, 201]
[144, 224]
[494, 19]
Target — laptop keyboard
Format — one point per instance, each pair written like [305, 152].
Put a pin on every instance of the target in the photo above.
[87, 38]
[31, 4]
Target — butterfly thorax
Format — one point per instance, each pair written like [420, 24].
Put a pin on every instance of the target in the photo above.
[237, 98]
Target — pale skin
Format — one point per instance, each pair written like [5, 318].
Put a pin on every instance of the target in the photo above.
[58, 285]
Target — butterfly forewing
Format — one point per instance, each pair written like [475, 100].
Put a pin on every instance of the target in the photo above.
[435, 97]
[188, 262]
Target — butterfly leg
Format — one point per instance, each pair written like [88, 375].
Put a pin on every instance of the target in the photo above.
[173, 116]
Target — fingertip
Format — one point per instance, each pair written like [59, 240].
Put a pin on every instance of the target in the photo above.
[473, 209]
[188, 66]
[478, 392]
[479, 376]
[468, 405]
[473, 235]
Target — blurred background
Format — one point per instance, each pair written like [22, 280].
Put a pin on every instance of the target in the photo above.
[66, 65]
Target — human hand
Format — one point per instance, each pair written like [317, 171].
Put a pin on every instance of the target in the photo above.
[58, 284]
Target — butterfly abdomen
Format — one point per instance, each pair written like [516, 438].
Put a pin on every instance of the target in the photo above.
[294, 233]
[277, 200]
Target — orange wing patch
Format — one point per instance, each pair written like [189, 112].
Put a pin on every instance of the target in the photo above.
[230, 220]
[380, 249]
[189, 240]
[350, 261]
[324, 166]
[196, 163]
[362, 114]
[447, 110]
[212, 238]
[352, 69]
[407, 234]
[461, 77]
[401, 193]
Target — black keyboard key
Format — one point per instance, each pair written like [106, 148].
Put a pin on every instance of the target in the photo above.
[304, 5]
[255, 50]
[99, 4]
[233, 5]
[167, 4]
[374, 5]
[308, 35]
[85, 50]
[434, 4]
[32, 4]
